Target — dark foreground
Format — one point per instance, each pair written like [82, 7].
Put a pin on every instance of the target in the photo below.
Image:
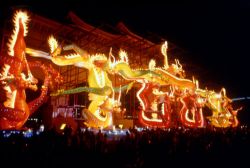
[178, 147]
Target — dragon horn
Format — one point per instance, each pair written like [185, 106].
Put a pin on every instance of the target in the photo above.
[197, 84]
[223, 92]
[164, 48]
[111, 57]
[178, 62]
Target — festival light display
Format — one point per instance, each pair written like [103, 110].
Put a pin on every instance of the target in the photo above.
[15, 111]
[160, 89]
[160, 117]
[100, 88]
[223, 114]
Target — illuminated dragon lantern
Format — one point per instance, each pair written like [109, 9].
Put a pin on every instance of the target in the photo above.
[156, 104]
[100, 89]
[15, 111]
[191, 114]
[223, 114]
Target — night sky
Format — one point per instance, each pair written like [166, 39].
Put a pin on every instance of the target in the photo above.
[215, 34]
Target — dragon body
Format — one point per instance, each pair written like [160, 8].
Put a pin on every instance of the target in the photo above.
[15, 111]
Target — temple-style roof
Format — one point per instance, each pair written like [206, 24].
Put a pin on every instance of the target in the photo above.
[89, 28]
[122, 27]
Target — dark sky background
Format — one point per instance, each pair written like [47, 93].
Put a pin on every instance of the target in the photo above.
[216, 34]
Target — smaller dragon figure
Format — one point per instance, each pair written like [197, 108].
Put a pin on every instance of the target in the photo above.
[223, 114]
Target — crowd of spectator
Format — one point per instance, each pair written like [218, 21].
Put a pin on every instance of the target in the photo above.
[178, 147]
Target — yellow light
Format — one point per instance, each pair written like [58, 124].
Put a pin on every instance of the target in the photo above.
[98, 57]
[153, 119]
[218, 96]
[99, 78]
[197, 84]
[154, 115]
[98, 115]
[202, 118]
[19, 15]
[200, 100]
[187, 118]
[123, 56]
[151, 65]
[62, 126]
[11, 96]
[5, 72]
[120, 126]
[53, 44]
[138, 95]
[164, 48]
[154, 106]
[162, 109]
